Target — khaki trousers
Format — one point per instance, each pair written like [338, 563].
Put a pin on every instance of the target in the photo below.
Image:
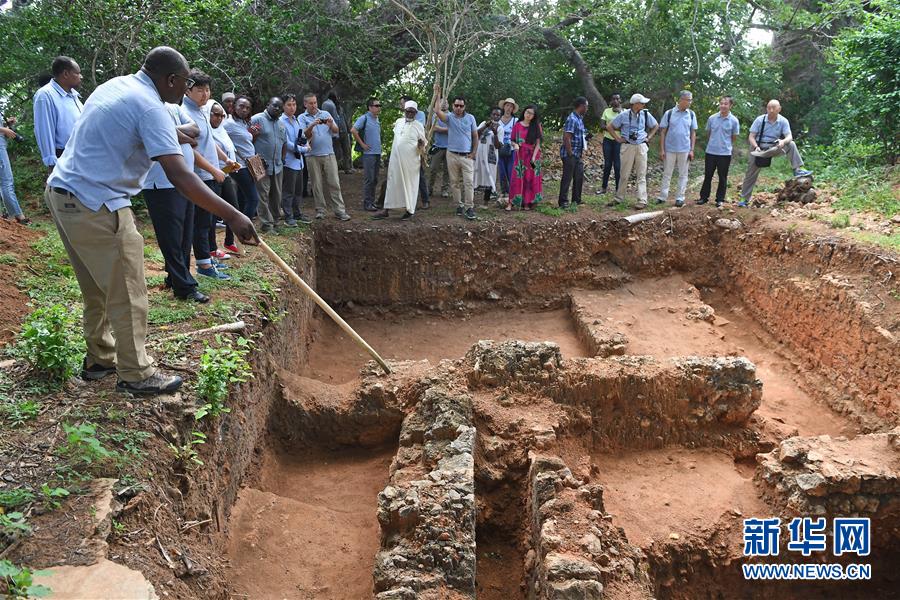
[107, 255]
[789, 150]
[633, 155]
[673, 159]
[269, 188]
[323, 172]
[462, 176]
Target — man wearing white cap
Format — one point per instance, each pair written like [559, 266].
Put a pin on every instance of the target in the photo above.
[678, 134]
[633, 129]
[404, 166]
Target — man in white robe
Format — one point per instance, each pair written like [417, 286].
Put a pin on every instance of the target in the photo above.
[404, 165]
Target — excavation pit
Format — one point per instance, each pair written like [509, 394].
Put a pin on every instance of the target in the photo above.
[603, 443]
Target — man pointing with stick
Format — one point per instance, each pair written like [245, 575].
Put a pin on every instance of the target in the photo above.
[124, 127]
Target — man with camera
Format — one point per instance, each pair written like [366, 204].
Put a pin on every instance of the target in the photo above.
[318, 126]
[56, 108]
[770, 135]
[7, 186]
[633, 129]
[292, 176]
[270, 143]
[366, 131]
[570, 151]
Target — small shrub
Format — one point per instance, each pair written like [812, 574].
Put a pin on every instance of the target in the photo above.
[10, 499]
[840, 221]
[50, 341]
[53, 496]
[220, 366]
[186, 454]
[13, 523]
[82, 447]
[19, 582]
[17, 413]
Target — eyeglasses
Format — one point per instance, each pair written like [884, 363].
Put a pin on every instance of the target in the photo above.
[190, 82]
[376, 106]
[459, 106]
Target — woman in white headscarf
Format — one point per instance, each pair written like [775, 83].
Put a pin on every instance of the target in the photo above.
[404, 165]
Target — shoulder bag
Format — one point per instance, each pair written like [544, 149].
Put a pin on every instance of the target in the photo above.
[762, 161]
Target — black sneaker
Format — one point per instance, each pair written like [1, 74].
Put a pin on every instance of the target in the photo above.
[158, 383]
[406, 216]
[95, 372]
[195, 296]
[701, 201]
[426, 205]
[659, 201]
[459, 211]
[470, 214]
[381, 214]
[564, 205]
[679, 203]
[719, 204]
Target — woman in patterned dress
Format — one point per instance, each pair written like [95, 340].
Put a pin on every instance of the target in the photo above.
[526, 186]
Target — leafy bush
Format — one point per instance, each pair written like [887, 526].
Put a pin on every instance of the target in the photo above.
[220, 366]
[51, 343]
[83, 447]
[15, 498]
[19, 582]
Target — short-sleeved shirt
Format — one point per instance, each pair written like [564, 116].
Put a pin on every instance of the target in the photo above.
[678, 125]
[320, 141]
[459, 134]
[575, 126]
[369, 129]
[270, 141]
[156, 178]
[124, 126]
[420, 117]
[772, 131]
[440, 137]
[505, 130]
[720, 130]
[608, 116]
[206, 144]
[224, 143]
[293, 131]
[627, 121]
[241, 138]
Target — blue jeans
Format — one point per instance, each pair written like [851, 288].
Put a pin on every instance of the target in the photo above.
[504, 170]
[611, 159]
[7, 188]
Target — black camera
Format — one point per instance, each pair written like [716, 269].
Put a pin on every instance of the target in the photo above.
[632, 135]
[18, 137]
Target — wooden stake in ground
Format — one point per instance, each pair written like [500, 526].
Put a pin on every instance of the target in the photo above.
[292, 275]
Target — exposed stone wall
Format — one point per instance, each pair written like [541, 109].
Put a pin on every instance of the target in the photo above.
[427, 512]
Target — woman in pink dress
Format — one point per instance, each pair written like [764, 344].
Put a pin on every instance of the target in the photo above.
[526, 186]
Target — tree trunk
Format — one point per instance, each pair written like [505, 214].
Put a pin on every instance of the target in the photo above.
[556, 41]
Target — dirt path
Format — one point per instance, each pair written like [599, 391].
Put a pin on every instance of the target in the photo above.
[312, 534]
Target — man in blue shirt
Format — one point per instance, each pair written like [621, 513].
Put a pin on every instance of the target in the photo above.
[678, 134]
[571, 150]
[57, 106]
[270, 142]
[318, 126]
[124, 128]
[366, 131]
[462, 142]
[634, 129]
[722, 128]
[438, 164]
[770, 135]
[292, 175]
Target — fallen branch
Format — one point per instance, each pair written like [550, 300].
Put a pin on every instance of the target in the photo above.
[224, 328]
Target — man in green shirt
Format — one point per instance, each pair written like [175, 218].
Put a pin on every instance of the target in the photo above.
[610, 146]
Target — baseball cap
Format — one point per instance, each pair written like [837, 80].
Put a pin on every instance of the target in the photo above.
[639, 98]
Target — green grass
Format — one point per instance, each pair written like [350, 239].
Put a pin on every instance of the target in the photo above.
[8, 259]
[166, 310]
[840, 221]
[891, 242]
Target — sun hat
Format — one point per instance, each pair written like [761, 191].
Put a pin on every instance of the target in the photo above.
[502, 104]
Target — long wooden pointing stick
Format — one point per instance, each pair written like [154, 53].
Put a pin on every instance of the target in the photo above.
[292, 275]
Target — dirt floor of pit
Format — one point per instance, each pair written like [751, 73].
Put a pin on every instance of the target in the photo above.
[311, 531]
[335, 358]
[655, 316]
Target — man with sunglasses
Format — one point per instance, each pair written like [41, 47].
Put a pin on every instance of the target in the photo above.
[124, 128]
[370, 143]
[462, 141]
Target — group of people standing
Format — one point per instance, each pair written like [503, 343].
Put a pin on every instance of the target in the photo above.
[627, 134]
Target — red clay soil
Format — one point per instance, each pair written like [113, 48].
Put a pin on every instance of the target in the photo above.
[313, 533]
[15, 240]
[335, 358]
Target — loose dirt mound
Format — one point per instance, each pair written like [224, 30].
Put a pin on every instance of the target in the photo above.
[15, 249]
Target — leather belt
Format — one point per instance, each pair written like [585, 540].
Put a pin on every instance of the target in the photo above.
[61, 191]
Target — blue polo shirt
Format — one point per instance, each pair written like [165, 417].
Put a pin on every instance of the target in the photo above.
[720, 130]
[270, 141]
[627, 121]
[124, 126]
[678, 125]
[459, 136]
[206, 144]
[156, 177]
[320, 142]
[55, 113]
[772, 131]
[371, 135]
[241, 138]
